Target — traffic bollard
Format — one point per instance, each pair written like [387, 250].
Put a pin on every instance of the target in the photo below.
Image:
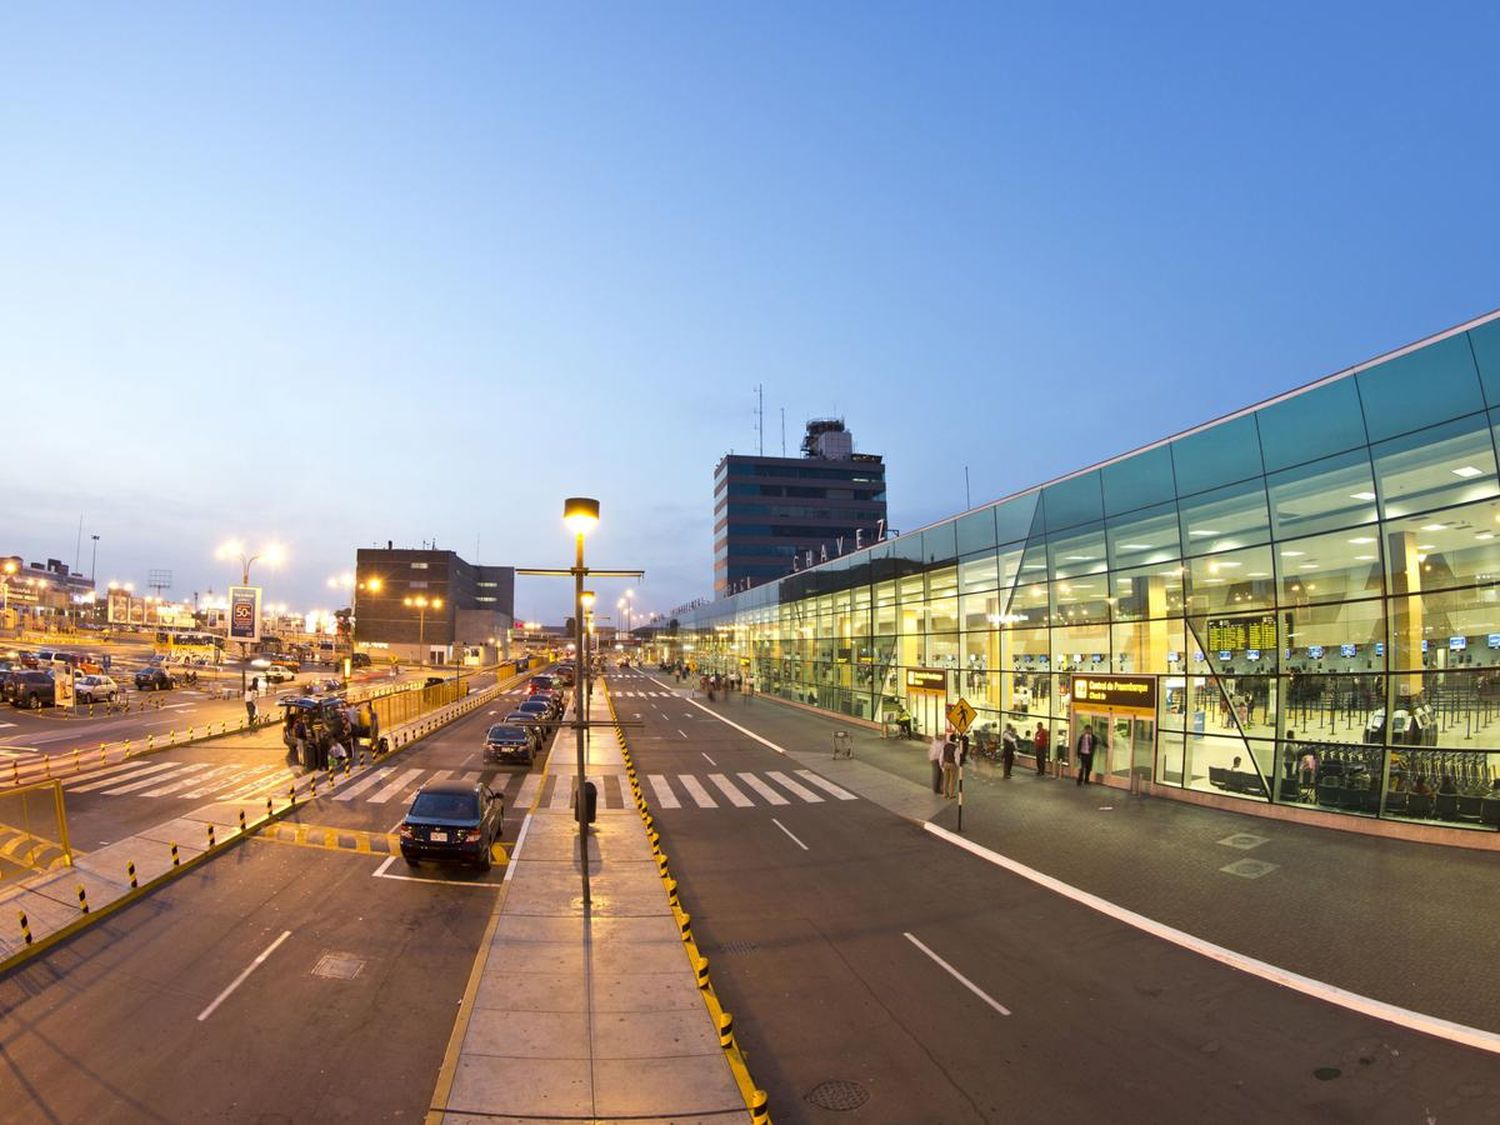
[760, 1108]
[76, 764]
[268, 808]
[25, 927]
[15, 772]
[210, 837]
[242, 821]
[291, 796]
[726, 1030]
[83, 899]
[130, 870]
[101, 753]
[700, 967]
[312, 785]
[175, 861]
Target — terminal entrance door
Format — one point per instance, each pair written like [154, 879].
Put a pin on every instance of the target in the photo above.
[1122, 711]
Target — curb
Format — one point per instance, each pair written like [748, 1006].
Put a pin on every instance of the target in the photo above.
[757, 1101]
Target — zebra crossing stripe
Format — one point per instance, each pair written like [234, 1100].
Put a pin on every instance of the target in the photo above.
[360, 786]
[437, 775]
[664, 795]
[697, 792]
[139, 771]
[395, 787]
[827, 786]
[528, 791]
[796, 789]
[730, 790]
[226, 785]
[191, 767]
[267, 783]
[562, 795]
[763, 789]
[172, 786]
[114, 772]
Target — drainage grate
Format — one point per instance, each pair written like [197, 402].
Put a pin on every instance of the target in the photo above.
[1244, 841]
[838, 1094]
[738, 947]
[1249, 868]
[338, 966]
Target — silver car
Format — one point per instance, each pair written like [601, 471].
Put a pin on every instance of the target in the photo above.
[95, 689]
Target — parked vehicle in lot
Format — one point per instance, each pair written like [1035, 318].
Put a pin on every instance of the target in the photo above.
[553, 699]
[28, 659]
[538, 707]
[540, 683]
[154, 679]
[452, 821]
[34, 690]
[95, 689]
[360, 660]
[509, 740]
[531, 720]
[8, 680]
[274, 673]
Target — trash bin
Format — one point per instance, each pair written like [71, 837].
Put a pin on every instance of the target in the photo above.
[590, 801]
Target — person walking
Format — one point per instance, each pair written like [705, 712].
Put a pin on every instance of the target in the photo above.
[950, 768]
[1008, 741]
[1040, 744]
[1085, 750]
[250, 696]
[935, 756]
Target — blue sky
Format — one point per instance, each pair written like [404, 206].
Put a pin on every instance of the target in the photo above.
[343, 274]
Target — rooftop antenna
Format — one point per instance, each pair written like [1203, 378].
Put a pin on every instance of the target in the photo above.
[760, 416]
[783, 431]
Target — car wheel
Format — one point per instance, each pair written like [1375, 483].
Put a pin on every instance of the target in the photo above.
[485, 863]
[35, 703]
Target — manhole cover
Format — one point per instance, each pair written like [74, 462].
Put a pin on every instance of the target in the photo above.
[338, 966]
[1249, 868]
[738, 947]
[1244, 841]
[838, 1094]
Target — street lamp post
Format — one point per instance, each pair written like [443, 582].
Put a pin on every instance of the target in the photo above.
[274, 554]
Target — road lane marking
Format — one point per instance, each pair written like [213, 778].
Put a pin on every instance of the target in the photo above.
[360, 786]
[730, 790]
[529, 789]
[958, 976]
[664, 793]
[763, 789]
[710, 760]
[794, 788]
[173, 785]
[696, 791]
[794, 839]
[827, 786]
[1320, 990]
[679, 731]
[515, 852]
[191, 767]
[395, 787]
[239, 980]
[562, 795]
[136, 770]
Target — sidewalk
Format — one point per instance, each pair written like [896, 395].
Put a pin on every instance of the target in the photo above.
[583, 1017]
[1406, 923]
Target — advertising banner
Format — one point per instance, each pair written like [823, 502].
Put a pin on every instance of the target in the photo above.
[62, 684]
[244, 614]
[119, 607]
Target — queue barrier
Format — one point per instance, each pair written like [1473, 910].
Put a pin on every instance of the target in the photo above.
[33, 831]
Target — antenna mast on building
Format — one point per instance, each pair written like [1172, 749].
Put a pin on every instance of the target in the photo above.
[783, 431]
[760, 416]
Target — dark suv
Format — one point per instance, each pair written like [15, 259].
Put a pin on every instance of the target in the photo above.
[34, 690]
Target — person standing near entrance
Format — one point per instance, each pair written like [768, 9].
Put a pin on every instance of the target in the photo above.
[1009, 741]
[1085, 754]
[935, 756]
[1040, 744]
[950, 767]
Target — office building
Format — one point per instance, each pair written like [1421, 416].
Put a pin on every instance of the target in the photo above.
[430, 606]
[774, 515]
[1295, 607]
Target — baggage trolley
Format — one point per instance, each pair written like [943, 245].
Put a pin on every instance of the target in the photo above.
[843, 746]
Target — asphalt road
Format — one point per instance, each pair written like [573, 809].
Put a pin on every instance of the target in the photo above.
[345, 1017]
[870, 965]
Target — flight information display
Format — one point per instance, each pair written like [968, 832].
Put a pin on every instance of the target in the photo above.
[1242, 631]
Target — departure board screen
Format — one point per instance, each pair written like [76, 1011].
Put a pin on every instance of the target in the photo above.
[1242, 631]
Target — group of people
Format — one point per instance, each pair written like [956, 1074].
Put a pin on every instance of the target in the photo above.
[948, 751]
[332, 742]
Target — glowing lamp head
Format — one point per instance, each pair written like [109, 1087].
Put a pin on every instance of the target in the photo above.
[587, 598]
[581, 514]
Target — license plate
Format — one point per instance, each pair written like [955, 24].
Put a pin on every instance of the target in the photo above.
[438, 837]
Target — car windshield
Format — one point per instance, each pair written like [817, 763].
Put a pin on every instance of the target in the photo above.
[446, 806]
[500, 732]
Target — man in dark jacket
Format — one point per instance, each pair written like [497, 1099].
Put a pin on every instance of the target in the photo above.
[1085, 750]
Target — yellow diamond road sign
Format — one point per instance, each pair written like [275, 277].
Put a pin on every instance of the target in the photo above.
[961, 714]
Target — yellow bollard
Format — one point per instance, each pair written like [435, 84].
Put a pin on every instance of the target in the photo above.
[210, 837]
[312, 784]
[15, 772]
[175, 861]
[25, 927]
[130, 870]
[291, 797]
[242, 821]
[83, 899]
[760, 1108]
[700, 967]
[268, 808]
[171, 738]
[101, 753]
[76, 764]
[726, 1030]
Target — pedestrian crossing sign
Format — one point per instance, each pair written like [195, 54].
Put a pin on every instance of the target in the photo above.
[961, 714]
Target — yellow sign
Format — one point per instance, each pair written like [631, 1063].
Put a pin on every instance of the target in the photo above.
[960, 715]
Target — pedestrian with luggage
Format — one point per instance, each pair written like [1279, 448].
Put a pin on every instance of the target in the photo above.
[1040, 746]
[935, 756]
[250, 696]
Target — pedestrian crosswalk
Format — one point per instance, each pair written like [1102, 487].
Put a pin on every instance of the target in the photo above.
[642, 694]
[396, 785]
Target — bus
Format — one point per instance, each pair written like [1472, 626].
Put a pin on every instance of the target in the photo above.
[181, 646]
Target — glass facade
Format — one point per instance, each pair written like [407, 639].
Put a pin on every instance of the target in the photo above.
[1311, 588]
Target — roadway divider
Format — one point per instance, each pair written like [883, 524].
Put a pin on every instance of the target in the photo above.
[120, 873]
[757, 1101]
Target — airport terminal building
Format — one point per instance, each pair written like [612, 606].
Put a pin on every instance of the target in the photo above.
[1297, 604]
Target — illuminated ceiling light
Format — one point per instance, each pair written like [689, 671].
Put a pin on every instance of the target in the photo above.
[1434, 527]
[1364, 558]
[1485, 535]
[1227, 563]
[1362, 540]
[1202, 531]
[1308, 566]
[1080, 558]
[1257, 574]
[1361, 496]
[1292, 554]
[1427, 546]
[1467, 471]
[1135, 546]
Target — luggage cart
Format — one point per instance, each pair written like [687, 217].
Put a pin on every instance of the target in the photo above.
[843, 746]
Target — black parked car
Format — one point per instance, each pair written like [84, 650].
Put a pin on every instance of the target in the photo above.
[34, 690]
[154, 679]
[452, 821]
[506, 740]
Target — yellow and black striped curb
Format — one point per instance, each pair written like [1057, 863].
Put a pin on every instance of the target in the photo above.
[218, 839]
[757, 1101]
[332, 839]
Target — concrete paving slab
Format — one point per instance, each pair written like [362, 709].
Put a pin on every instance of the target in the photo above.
[529, 991]
[653, 1035]
[673, 1087]
[528, 1035]
[634, 991]
[45, 913]
[543, 957]
[151, 861]
[643, 957]
[62, 887]
[486, 1084]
